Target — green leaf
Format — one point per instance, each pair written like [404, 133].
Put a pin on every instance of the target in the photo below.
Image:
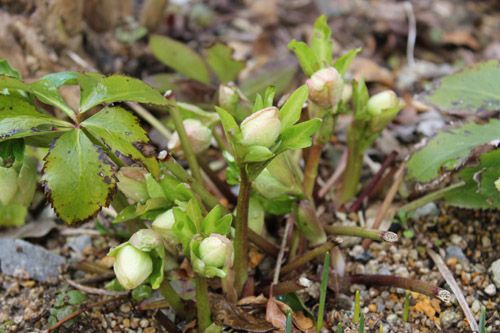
[97, 89]
[220, 58]
[291, 110]
[257, 154]
[154, 188]
[448, 149]
[231, 128]
[473, 89]
[299, 136]
[479, 191]
[19, 119]
[6, 69]
[193, 111]
[343, 62]
[121, 132]
[305, 56]
[77, 179]
[76, 297]
[180, 57]
[276, 74]
[12, 215]
[321, 42]
[47, 89]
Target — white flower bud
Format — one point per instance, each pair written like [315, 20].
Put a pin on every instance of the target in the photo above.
[198, 134]
[132, 266]
[385, 100]
[214, 250]
[228, 97]
[261, 128]
[164, 223]
[325, 87]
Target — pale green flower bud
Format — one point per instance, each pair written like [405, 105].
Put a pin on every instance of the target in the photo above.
[164, 223]
[383, 101]
[145, 240]
[214, 250]
[132, 266]
[325, 87]
[198, 134]
[256, 216]
[309, 224]
[383, 107]
[261, 128]
[228, 97]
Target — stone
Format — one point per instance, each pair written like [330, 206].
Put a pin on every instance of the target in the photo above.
[476, 306]
[449, 318]
[486, 241]
[456, 239]
[429, 209]
[453, 251]
[79, 243]
[495, 272]
[24, 260]
[490, 290]
[392, 318]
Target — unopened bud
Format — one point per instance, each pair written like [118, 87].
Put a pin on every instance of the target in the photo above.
[132, 266]
[228, 97]
[261, 128]
[325, 87]
[164, 223]
[385, 100]
[199, 136]
[145, 240]
[214, 250]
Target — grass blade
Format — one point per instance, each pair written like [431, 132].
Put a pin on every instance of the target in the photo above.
[322, 295]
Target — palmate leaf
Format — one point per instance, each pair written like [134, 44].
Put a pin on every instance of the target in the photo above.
[120, 130]
[179, 57]
[98, 89]
[474, 89]
[19, 119]
[448, 149]
[479, 191]
[221, 61]
[77, 179]
[291, 110]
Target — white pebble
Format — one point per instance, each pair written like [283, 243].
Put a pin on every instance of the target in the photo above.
[490, 289]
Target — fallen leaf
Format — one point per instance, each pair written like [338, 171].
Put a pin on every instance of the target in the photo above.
[36, 229]
[370, 71]
[302, 322]
[274, 314]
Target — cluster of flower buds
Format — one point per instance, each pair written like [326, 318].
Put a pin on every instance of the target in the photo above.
[211, 255]
[139, 260]
[325, 87]
[199, 136]
[383, 107]
[261, 128]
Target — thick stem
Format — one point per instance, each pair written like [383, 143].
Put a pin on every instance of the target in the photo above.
[173, 299]
[307, 257]
[352, 174]
[311, 169]
[202, 304]
[430, 197]
[241, 234]
[374, 234]
[262, 243]
[186, 145]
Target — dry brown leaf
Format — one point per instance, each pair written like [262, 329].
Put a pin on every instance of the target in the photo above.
[303, 323]
[275, 314]
[370, 71]
[253, 300]
[460, 37]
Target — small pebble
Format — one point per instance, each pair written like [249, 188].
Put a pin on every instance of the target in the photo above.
[150, 330]
[144, 323]
[372, 307]
[456, 239]
[486, 241]
[490, 289]
[392, 318]
[125, 308]
[449, 318]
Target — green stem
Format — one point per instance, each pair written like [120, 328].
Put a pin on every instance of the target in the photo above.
[173, 299]
[307, 257]
[202, 304]
[352, 173]
[322, 295]
[241, 234]
[186, 145]
[311, 169]
[374, 234]
[430, 197]
[152, 120]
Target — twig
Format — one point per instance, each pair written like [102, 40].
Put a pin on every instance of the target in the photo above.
[374, 182]
[262, 243]
[95, 291]
[307, 257]
[336, 175]
[83, 308]
[412, 33]
[382, 212]
[372, 234]
[448, 277]
[422, 287]
[97, 279]
[289, 223]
